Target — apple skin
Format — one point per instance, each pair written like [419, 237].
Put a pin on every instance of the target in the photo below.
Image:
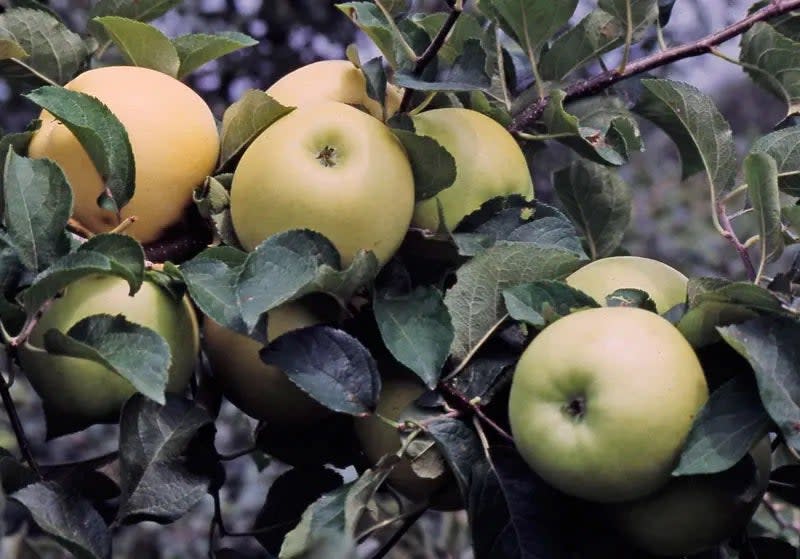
[377, 439]
[174, 140]
[665, 285]
[591, 392]
[86, 392]
[489, 164]
[693, 513]
[261, 391]
[332, 80]
[330, 168]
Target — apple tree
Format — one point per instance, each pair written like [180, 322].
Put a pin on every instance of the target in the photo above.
[358, 259]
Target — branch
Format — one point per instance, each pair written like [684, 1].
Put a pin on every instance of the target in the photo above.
[600, 82]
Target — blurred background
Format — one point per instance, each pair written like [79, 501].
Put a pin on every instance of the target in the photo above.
[671, 218]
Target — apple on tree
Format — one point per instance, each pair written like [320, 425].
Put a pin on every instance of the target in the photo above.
[174, 140]
[80, 392]
[602, 400]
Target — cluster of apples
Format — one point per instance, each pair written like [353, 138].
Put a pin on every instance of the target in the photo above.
[601, 404]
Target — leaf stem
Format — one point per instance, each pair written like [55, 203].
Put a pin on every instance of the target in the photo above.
[585, 88]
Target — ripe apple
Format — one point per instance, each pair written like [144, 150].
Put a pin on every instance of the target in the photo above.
[378, 439]
[602, 401]
[489, 164]
[332, 80]
[82, 392]
[693, 513]
[330, 168]
[261, 391]
[174, 140]
[665, 285]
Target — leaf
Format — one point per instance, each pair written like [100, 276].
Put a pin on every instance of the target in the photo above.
[784, 147]
[67, 517]
[728, 425]
[540, 303]
[330, 365]
[51, 48]
[157, 483]
[772, 347]
[530, 23]
[475, 302]
[761, 173]
[599, 201]
[140, 10]
[416, 329]
[37, 203]
[702, 135]
[771, 59]
[141, 44]
[434, 168]
[100, 133]
[245, 120]
[197, 49]
[211, 279]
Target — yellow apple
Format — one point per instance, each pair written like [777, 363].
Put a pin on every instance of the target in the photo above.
[84, 392]
[330, 168]
[262, 391]
[665, 285]
[377, 439]
[174, 139]
[489, 164]
[332, 80]
[602, 401]
[693, 513]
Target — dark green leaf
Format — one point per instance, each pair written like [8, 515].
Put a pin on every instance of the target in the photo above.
[540, 303]
[141, 44]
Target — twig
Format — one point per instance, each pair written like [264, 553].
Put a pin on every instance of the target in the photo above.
[398, 535]
[430, 53]
[13, 417]
[600, 82]
[476, 409]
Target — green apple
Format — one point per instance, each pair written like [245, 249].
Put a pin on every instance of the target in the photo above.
[377, 439]
[602, 401]
[693, 513]
[332, 80]
[330, 168]
[489, 164]
[261, 391]
[665, 285]
[79, 392]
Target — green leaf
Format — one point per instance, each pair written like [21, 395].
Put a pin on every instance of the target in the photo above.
[702, 135]
[245, 120]
[599, 201]
[37, 203]
[784, 147]
[730, 423]
[771, 59]
[530, 23]
[141, 44]
[197, 49]
[772, 347]
[140, 10]
[761, 174]
[51, 48]
[100, 133]
[540, 303]
[433, 166]
[417, 329]
[136, 353]
[475, 302]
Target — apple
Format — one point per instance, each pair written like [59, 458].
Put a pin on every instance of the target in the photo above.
[693, 513]
[489, 164]
[83, 392]
[262, 391]
[377, 439]
[174, 140]
[332, 80]
[665, 285]
[602, 400]
[330, 168]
